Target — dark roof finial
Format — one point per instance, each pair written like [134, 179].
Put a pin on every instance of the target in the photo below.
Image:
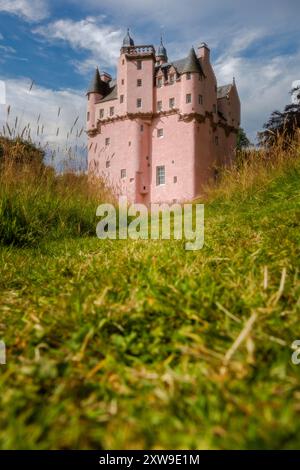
[128, 41]
[162, 51]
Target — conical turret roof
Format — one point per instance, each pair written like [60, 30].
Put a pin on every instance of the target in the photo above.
[162, 51]
[192, 63]
[128, 41]
[97, 85]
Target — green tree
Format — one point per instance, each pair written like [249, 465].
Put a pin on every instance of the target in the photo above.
[282, 124]
[242, 140]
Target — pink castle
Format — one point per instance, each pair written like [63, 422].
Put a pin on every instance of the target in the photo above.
[159, 131]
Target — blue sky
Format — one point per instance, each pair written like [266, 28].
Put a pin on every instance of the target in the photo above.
[58, 44]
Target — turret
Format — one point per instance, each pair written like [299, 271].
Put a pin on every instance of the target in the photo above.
[135, 77]
[97, 90]
[191, 84]
[161, 54]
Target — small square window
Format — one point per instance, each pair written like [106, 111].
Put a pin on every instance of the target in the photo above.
[139, 103]
[139, 82]
[123, 62]
[175, 179]
[188, 98]
[88, 116]
[101, 113]
[111, 111]
[160, 175]
[123, 174]
[200, 99]
[107, 164]
[159, 106]
[160, 133]
[139, 65]
[122, 99]
[172, 103]
[122, 81]
[188, 76]
[159, 82]
[107, 141]
[142, 128]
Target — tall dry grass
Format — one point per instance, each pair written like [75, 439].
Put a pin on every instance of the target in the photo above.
[35, 202]
[255, 169]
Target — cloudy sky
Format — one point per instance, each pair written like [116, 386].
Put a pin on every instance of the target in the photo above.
[57, 44]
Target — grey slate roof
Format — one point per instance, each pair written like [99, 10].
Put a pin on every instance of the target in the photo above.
[223, 91]
[182, 65]
[97, 85]
[112, 95]
[192, 63]
[162, 51]
[128, 41]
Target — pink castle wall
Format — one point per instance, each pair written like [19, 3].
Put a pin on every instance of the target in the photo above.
[196, 139]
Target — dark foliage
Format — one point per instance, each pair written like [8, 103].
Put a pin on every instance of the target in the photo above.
[282, 124]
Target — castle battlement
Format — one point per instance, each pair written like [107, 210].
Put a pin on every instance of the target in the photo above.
[159, 131]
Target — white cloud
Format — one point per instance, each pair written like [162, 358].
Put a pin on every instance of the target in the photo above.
[101, 41]
[30, 10]
[39, 107]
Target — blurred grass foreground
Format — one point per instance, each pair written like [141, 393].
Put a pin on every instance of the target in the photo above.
[141, 344]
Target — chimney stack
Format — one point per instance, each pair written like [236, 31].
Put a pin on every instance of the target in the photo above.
[204, 52]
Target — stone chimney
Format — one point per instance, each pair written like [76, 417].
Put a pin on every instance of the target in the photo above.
[204, 52]
[105, 77]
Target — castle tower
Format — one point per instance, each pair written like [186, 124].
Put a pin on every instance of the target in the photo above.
[157, 131]
[161, 54]
[97, 90]
[191, 89]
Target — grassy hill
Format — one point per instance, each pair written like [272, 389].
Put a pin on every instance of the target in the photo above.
[140, 344]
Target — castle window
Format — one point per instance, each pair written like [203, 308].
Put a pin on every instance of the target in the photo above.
[123, 81]
[159, 82]
[188, 76]
[111, 111]
[123, 174]
[107, 141]
[172, 79]
[172, 103]
[160, 133]
[88, 116]
[200, 99]
[139, 103]
[214, 108]
[139, 65]
[123, 62]
[160, 175]
[175, 179]
[188, 98]
[101, 113]
[142, 128]
[217, 140]
[139, 82]
[107, 164]
[122, 99]
[159, 106]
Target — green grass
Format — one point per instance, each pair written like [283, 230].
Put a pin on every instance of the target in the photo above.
[121, 344]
